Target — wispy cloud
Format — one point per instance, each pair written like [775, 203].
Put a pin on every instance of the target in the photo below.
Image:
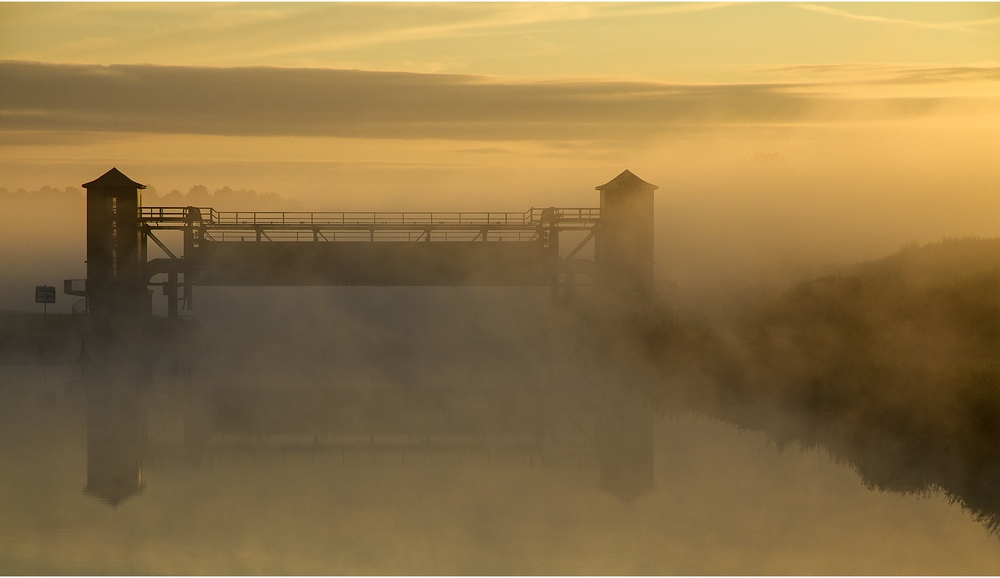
[504, 18]
[877, 74]
[967, 26]
[325, 102]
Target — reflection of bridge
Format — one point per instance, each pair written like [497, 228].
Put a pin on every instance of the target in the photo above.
[229, 423]
[539, 247]
[126, 426]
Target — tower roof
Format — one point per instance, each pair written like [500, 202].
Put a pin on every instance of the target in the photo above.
[113, 178]
[626, 180]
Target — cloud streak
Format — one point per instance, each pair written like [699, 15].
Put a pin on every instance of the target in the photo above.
[884, 74]
[352, 103]
[966, 26]
[474, 21]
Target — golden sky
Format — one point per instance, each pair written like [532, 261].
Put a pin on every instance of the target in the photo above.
[787, 139]
[699, 42]
[778, 133]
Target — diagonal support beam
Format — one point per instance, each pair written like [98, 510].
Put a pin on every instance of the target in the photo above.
[149, 233]
[582, 244]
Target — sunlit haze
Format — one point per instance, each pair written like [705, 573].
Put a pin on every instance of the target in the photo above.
[788, 142]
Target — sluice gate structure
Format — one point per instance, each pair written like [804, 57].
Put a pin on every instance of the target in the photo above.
[540, 247]
[359, 248]
[373, 249]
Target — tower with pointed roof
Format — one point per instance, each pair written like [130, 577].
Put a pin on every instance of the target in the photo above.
[114, 282]
[624, 251]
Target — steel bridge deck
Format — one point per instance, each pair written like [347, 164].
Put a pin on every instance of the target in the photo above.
[368, 225]
[401, 248]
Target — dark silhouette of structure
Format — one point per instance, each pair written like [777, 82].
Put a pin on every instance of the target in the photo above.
[115, 257]
[624, 252]
[356, 248]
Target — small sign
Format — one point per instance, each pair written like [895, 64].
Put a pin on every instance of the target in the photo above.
[45, 294]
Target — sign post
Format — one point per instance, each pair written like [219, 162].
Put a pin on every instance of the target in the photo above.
[45, 295]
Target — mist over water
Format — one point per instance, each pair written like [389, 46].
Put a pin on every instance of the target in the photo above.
[396, 430]
[726, 502]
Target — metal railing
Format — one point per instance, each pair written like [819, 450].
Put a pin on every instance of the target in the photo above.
[79, 307]
[170, 214]
[366, 219]
[572, 214]
[229, 235]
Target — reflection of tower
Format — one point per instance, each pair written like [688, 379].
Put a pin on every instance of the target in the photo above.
[625, 442]
[197, 423]
[116, 440]
[115, 287]
[624, 252]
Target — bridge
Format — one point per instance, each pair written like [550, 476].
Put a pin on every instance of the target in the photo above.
[366, 248]
[357, 248]
[539, 247]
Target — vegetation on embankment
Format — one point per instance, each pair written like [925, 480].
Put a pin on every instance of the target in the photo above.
[893, 366]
